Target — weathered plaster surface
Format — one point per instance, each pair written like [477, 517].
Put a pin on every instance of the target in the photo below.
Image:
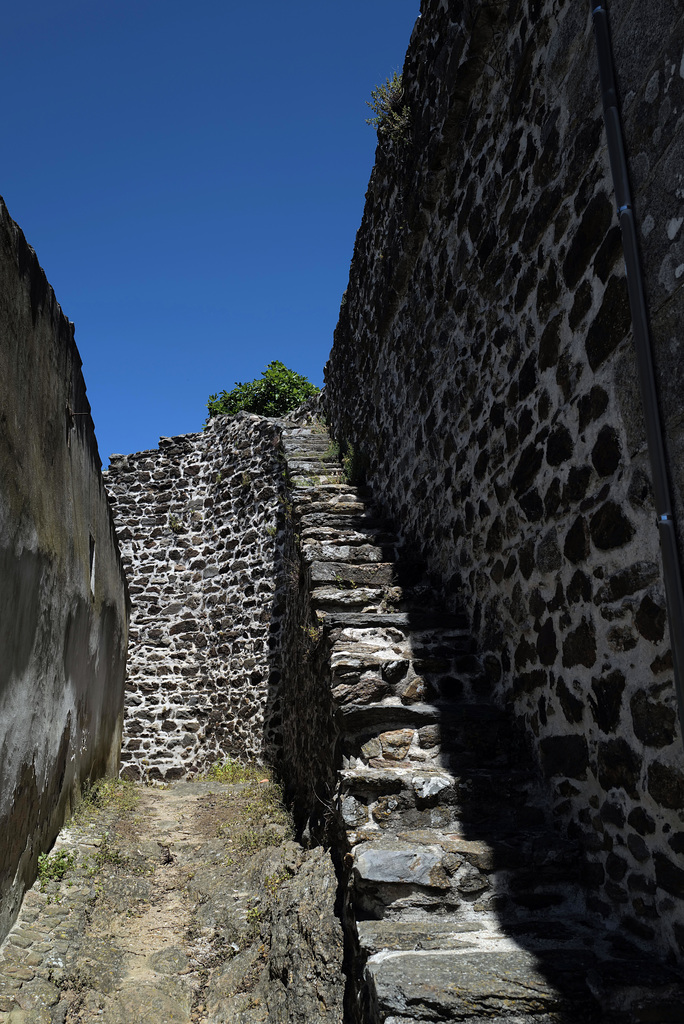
[483, 364]
[63, 614]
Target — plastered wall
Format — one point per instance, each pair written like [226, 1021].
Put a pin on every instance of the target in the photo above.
[63, 611]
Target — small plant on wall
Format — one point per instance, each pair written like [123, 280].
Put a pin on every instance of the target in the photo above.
[175, 524]
[392, 118]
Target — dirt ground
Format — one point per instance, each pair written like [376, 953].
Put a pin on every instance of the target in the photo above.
[190, 904]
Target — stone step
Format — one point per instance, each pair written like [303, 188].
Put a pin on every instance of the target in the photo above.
[346, 518]
[390, 731]
[335, 493]
[322, 479]
[428, 857]
[407, 621]
[339, 551]
[567, 984]
[496, 804]
[474, 985]
[336, 603]
[303, 462]
[364, 575]
[340, 505]
[320, 531]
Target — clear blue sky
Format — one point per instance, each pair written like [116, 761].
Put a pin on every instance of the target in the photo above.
[192, 176]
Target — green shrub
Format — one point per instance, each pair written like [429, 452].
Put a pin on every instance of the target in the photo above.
[277, 391]
[392, 116]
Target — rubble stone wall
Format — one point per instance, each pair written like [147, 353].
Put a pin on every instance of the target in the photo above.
[63, 610]
[483, 370]
[197, 522]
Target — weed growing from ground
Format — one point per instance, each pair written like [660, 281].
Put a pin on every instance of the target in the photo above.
[118, 794]
[52, 867]
[232, 771]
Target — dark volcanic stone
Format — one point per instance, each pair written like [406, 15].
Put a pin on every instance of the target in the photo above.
[618, 766]
[654, 723]
[637, 847]
[675, 842]
[528, 466]
[613, 814]
[576, 547]
[548, 290]
[573, 707]
[559, 446]
[579, 646]
[537, 603]
[527, 379]
[611, 324]
[587, 238]
[548, 553]
[666, 785]
[616, 867]
[606, 707]
[642, 822]
[580, 306]
[668, 876]
[532, 505]
[549, 345]
[610, 527]
[565, 755]
[592, 406]
[609, 254]
[547, 647]
[640, 491]
[606, 452]
[579, 588]
[577, 483]
[525, 653]
[650, 620]
[526, 555]
[628, 581]
[528, 682]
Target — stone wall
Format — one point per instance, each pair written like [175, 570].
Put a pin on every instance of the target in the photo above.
[197, 520]
[224, 654]
[483, 368]
[63, 611]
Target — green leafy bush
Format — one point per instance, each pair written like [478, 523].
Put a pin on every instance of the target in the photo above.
[392, 116]
[276, 392]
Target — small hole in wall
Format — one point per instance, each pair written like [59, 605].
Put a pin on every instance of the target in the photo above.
[92, 564]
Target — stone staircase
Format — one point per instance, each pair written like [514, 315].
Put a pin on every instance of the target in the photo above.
[463, 903]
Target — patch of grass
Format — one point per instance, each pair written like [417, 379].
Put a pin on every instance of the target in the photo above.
[232, 771]
[119, 795]
[106, 853]
[273, 882]
[253, 820]
[52, 867]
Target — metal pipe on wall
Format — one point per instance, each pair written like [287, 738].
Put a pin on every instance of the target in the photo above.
[674, 595]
